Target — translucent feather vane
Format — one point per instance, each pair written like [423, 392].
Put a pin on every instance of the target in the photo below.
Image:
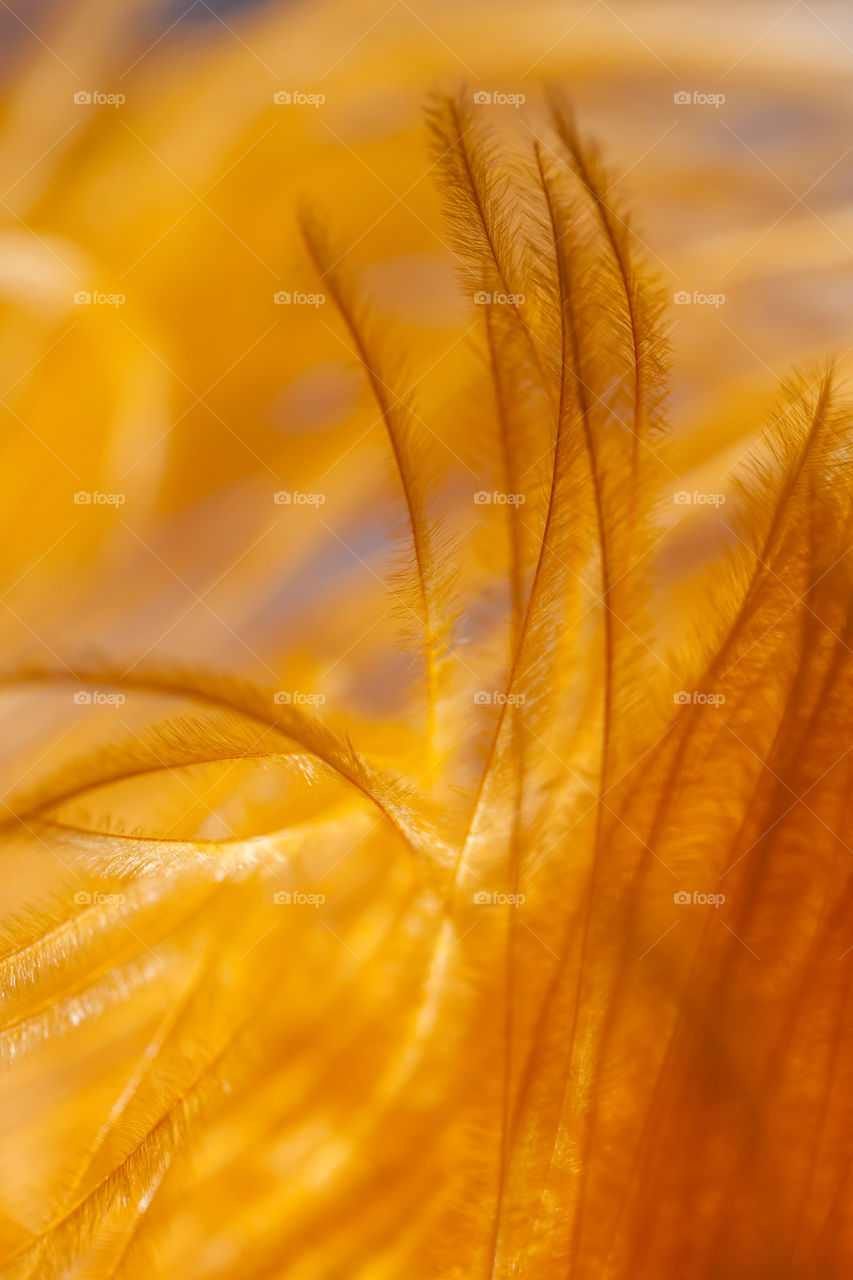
[480, 907]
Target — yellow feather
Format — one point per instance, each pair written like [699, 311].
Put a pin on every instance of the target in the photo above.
[425, 818]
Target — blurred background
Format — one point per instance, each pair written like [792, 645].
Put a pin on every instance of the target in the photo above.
[145, 162]
[169, 364]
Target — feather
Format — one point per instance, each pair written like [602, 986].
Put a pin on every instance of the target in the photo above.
[525, 952]
[426, 599]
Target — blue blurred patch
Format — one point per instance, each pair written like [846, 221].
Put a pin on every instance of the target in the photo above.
[210, 10]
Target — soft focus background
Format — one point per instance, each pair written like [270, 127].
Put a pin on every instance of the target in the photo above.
[197, 398]
[156, 397]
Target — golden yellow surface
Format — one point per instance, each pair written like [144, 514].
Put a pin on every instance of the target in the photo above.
[262, 759]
